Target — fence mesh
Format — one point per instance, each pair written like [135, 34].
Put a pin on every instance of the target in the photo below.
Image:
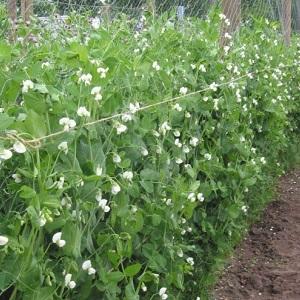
[111, 9]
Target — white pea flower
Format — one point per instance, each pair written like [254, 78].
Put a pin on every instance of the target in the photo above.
[180, 252]
[63, 146]
[115, 189]
[96, 23]
[143, 287]
[96, 91]
[178, 143]
[156, 66]
[103, 205]
[56, 239]
[45, 65]
[244, 209]
[17, 178]
[86, 79]
[60, 183]
[127, 175]
[1, 110]
[194, 141]
[163, 293]
[117, 159]
[213, 87]
[134, 107]
[72, 284]
[186, 149]
[134, 209]
[5, 154]
[91, 271]
[121, 128]
[102, 72]
[3, 240]
[190, 261]
[200, 197]
[144, 152]
[99, 170]
[83, 112]
[193, 66]
[177, 133]
[192, 197]
[177, 107]
[27, 85]
[183, 91]
[169, 202]
[68, 282]
[164, 128]
[19, 147]
[207, 156]
[263, 160]
[42, 220]
[86, 265]
[202, 68]
[127, 117]
[179, 161]
[187, 115]
[67, 123]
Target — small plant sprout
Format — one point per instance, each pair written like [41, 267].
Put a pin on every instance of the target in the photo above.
[56, 239]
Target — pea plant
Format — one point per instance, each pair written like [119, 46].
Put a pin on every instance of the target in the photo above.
[131, 161]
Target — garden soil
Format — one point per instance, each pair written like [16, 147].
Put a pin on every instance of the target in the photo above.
[266, 265]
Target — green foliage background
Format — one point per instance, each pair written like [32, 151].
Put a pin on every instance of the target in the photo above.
[245, 129]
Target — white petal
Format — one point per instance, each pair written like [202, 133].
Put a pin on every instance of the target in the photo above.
[3, 240]
[5, 154]
[19, 147]
[86, 265]
[56, 237]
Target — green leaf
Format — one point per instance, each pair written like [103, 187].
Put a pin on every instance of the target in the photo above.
[5, 52]
[115, 276]
[35, 124]
[132, 270]
[27, 192]
[5, 121]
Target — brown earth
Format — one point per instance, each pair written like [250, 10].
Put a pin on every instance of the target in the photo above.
[266, 266]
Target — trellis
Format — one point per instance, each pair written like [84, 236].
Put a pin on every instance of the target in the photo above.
[231, 9]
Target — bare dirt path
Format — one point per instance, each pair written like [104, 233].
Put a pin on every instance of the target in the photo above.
[266, 265]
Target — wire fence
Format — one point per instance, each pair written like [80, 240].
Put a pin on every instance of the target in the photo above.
[286, 12]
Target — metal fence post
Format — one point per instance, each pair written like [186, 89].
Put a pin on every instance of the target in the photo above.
[12, 14]
[287, 20]
[232, 10]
